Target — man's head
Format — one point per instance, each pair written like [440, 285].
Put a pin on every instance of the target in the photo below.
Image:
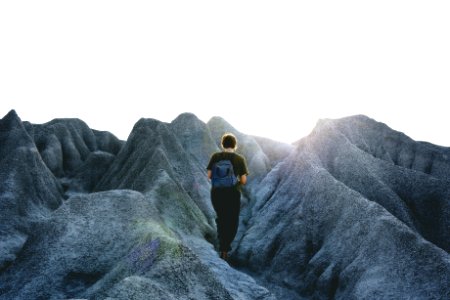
[229, 141]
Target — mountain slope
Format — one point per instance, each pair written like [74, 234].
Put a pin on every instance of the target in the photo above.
[28, 189]
[353, 226]
[355, 210]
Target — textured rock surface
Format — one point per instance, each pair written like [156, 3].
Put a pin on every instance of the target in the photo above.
[355, 210]
[333, 221]
[109, 244]
[28, 190]
[77, 155]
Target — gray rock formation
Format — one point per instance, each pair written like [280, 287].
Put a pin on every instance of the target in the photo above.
[77, 155]
[111, 245]
[334, 221]
[28, 190]
[355, 210]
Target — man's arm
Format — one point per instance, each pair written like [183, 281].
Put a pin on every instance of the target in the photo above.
[243, 179]
[243, 171]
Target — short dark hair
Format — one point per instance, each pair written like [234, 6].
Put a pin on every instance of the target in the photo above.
[229, 141]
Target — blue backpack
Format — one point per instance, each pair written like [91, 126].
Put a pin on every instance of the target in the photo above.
[223, 174]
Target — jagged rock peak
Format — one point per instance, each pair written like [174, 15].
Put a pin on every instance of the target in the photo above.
[187, 117]
[355, 124]
[74, 121]
[10, 120]
[353, 118]
[362, 127]
[146, 125]
[187, 124]
[219, 123]
[13, 134]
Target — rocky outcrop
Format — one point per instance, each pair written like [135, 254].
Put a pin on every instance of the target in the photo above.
[392, 146]
[28, 190]
[334, 221]
[146, 231]
[77, 155]
[109, 245]
[355, 210]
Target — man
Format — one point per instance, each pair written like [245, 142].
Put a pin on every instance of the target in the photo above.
[225, 190]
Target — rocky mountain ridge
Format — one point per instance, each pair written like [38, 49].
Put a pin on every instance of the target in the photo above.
[355, 210]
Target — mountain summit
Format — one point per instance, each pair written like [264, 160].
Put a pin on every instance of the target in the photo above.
[355, 210]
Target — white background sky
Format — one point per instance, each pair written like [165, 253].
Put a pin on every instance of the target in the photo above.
[270, 68]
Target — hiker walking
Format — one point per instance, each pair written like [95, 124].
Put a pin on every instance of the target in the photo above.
[227, 171]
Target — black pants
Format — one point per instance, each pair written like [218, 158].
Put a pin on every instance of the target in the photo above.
[226, 203]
